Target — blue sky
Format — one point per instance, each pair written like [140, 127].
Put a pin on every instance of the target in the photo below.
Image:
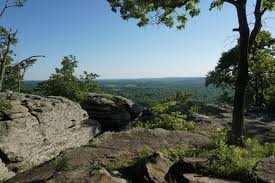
[105, 44]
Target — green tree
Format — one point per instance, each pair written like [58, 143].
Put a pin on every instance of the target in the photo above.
[12, 73]
[64, 83]
[178, 12]
[261, 69]
[7, 40]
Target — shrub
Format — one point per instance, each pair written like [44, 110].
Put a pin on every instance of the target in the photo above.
[173, 104]
[60, 163]
[194, 110]
[228, 161]
[172, 121]
[4, 105]
[164, 107]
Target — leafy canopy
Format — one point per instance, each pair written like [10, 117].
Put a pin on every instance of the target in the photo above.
[169, 12]
[261, 70]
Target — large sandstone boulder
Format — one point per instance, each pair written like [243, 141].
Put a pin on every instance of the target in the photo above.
[152, 169]
[35, 129]
[185, 165]
[113, 112]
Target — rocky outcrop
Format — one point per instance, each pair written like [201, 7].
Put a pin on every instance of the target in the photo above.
[265, 170]
[185, 165]
[113, 112]
[116, 148]
[36, 129]
[152, 169]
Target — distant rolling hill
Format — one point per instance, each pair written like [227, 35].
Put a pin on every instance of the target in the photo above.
[153, 89]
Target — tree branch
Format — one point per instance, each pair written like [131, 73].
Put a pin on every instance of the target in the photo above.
[7, 6]
[258, 23]
[231, 2]
[29, 58]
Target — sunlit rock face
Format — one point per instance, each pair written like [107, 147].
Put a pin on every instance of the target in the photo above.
[35, 129]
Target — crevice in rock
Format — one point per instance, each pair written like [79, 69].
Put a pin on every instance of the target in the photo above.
[71, 126]
[4, 116]
[4, 157]
[30, 110]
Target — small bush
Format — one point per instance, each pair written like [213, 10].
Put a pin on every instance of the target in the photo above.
[4, 105]
[60, 163]
[92, 167]
[194, 110]
[172, 121]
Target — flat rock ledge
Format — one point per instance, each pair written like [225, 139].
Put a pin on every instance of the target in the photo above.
[113, 148]
[36, 129]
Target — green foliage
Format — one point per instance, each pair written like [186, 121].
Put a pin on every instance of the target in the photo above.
[173, 104]
[268, 5]
[168, 13]
[228, 160]
[13, 72]
[172, 121]
[261, 71]
[92, 167]
[169, 113]
[194, 110]
[164, 107]
[5, 104]
[60, 163]
[64, 83]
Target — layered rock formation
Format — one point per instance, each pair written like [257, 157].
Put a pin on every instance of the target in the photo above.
[35, 129]
[113, 112]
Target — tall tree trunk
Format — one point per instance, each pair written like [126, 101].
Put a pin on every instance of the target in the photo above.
[242, 77]
[257, 88]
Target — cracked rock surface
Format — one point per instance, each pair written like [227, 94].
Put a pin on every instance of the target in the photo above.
[36, 129]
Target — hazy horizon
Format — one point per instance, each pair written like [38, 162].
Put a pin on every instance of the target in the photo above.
[195, 77]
